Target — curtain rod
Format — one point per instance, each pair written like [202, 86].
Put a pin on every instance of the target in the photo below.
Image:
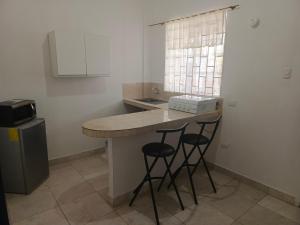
[233, 7]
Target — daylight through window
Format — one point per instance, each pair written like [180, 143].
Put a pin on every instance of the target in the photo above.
[194, 54]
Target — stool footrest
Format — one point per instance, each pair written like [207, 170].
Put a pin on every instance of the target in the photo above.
[154, 178]
[189, 164]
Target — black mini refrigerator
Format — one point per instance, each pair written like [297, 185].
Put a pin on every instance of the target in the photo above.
[24, 156]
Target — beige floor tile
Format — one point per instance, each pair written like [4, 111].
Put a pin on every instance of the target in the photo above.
[282, 208]
[21, 207]
[110, 219]
[86, 210]
[67, 185]
[219, 178]
[59, 165]
[104, 156]
[201, 183]
[142, 213]
[248, 191]
[71, 192]
[64, 176]
[90, 167]
[234, 206]
[134, 217]
[50, 217]
[169, 201]
[145, 216]
[203, 186]
[203, 214]
[234, 199]
[171, 220]
[74, 185]
[259, 215]
[104, 193]
[99, 182]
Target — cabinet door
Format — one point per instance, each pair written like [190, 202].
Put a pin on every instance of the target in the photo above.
[68, 53]
[97, 55]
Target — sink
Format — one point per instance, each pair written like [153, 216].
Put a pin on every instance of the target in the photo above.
[152, 101]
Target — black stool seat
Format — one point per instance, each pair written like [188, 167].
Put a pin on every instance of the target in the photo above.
[195, 139]
[158, 149]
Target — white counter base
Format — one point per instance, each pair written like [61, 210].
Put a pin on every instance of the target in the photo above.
[126, 162]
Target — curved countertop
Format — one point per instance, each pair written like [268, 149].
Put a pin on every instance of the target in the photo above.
[136, 123]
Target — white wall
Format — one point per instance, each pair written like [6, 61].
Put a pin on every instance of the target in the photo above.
[66, 103]
[263, 129]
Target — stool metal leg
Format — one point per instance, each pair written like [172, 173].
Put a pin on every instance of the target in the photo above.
[139, 187]
[184, 164]
[173, 183]
[189, 173]
[151, 189]
[196, 165]
[207, 170]
[176, 173]
[162, 181]
[166, 173]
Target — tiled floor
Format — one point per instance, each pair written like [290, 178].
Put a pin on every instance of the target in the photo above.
[73, 196]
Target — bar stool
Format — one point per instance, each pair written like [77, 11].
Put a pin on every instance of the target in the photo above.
[197, 141]
[159, 150]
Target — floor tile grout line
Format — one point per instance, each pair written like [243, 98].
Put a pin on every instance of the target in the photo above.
[81, 175]
[297, 222]
[84, 181]
[65, 216]
[121, 217]
[239, 217]
[58, 206]
[189, 207]
[83, 197]
[224, 185]
[236, 219]
[61, 210]
[41, 212]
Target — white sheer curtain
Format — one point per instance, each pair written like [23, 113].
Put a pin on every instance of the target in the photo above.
[194, 54]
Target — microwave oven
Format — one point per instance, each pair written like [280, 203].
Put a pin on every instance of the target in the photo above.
[16, 112]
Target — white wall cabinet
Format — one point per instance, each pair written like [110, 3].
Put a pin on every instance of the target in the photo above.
[97, 54]
[75, 54]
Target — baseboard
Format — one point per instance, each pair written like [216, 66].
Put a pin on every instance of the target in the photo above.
[121, 199]
[116, 202]
[76, 156]
[269, 190]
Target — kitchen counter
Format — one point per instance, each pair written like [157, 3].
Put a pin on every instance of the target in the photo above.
[126, 134]
[140, 122]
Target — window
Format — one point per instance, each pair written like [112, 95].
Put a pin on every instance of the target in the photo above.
[194, 54]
